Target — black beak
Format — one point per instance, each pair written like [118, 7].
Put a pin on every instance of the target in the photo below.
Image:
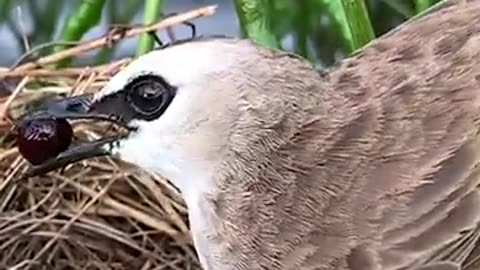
[71, 108]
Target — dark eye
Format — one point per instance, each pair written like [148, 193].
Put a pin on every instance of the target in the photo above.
[149, 95]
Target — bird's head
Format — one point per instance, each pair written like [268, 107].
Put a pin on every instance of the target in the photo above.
[190, 108]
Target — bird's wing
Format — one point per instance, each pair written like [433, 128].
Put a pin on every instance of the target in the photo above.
[417, 95]
[373, 166]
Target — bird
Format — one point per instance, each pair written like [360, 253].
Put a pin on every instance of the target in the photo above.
[373, 163]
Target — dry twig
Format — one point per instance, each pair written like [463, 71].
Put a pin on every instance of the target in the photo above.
[103, 41]
[96, 214]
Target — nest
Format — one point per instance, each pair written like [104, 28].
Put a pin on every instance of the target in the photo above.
[95, 214]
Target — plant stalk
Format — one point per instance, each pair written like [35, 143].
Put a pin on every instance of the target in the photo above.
[86, 16]
[152, 13]
[358, 21]
[255, 21]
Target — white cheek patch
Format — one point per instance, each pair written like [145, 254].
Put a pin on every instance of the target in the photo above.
[158, 146]
[157, 153]
[146, 152]
[163, 145]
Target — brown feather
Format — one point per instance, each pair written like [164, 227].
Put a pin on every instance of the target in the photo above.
[373, 165]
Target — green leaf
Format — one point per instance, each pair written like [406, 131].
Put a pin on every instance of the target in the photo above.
[83, 18]
[334, 10]
[400, 7]
[118, 13]
[5, 10]
[359, 24]
[421, 5]
[255, 21]
[302, 26]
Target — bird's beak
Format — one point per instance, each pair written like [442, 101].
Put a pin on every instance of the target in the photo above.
[71, 108]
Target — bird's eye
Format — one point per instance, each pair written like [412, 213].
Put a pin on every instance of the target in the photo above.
[149, 96]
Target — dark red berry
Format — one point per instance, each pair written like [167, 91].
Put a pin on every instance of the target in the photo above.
[42, 139]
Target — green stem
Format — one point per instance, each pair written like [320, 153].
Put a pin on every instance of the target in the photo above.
[5, 9]
[400, 7]
[86, 16]
[302, 21]
[255, 21]
[151, 14]
[421, 5]
[358, 21]
[334, 11]
[117, 16]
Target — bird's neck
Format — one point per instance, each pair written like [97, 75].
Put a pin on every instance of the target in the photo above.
[276, 195]
[268, 201]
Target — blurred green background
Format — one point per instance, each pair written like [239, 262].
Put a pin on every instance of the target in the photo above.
[323, 31]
